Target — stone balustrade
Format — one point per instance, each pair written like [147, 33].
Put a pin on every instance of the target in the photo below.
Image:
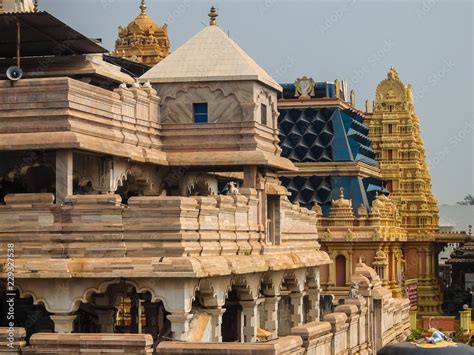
[64, 343]
[344, 331]
[317, 337]
[339, 329]
[289, 345]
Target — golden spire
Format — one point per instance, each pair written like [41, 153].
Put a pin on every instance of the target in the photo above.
[213, 17]
[143, 7]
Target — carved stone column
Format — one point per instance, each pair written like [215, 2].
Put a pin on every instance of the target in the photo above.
[106, 320]
[332, 270]
[420, 264]
[429, 264]
[63, 323]
[216, 323]
[64, 174]
[271, 315]
[297, 316]
[313, 298]
[180, 325]
[250, 320]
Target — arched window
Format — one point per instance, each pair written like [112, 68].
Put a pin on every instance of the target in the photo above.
[340, 271]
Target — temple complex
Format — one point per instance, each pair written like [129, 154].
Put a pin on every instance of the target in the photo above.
[142, 41]
[200, 207]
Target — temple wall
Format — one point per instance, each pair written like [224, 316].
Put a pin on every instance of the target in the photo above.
[298, 224]
[100, 226]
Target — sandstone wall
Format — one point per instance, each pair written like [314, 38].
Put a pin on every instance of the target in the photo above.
[100, 226]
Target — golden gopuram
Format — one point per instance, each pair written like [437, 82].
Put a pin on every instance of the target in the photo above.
[143, 41]
[395, 133]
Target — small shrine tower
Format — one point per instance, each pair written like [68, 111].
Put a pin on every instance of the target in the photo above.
[142, 41]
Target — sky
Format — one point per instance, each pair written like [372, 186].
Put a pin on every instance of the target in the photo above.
[430, 42]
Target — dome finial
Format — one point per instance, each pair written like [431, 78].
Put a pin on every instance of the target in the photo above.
[143, 7]
[393, 74]
[213, 17]
[341, 192]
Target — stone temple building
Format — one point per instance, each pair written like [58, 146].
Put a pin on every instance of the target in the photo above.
[119, 203]
[120, 189]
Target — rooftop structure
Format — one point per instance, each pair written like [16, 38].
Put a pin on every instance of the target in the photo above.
[326, 137]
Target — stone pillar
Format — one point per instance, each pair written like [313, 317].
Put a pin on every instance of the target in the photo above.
[394, 268]
[216, 323]
[413, 318]
[420, 265]
[106, 320]
[250, 177]
[313, 298]
[271, 315]
[465, 319]
[332, 270]
[63, 323]
[180, 325]
[428, 261]
[297, 316]
[349, 267]
[64, 174]
[248, 328]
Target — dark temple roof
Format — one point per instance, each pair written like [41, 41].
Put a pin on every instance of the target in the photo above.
[42, 35]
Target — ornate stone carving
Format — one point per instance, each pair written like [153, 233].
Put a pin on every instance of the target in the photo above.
[354, 291]
[304, 87]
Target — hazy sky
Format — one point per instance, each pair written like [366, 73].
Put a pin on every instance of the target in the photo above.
[430, 42]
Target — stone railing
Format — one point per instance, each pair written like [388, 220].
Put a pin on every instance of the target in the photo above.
[63, 343]
[290, 345]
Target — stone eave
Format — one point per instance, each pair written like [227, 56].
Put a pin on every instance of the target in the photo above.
[352, 168]
[167, 267]
[229, 158]
[73, 140]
